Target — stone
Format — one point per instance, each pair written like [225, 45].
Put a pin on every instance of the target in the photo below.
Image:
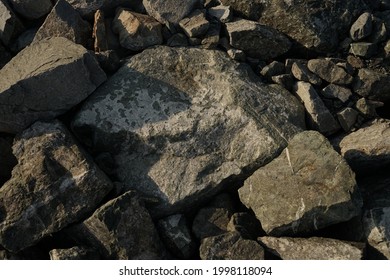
[54, 183]
[222, 13]
[108, 61]
[210, 222]
[329, 71]
[64, 21]
[250, 9]
[273, 69]
[355, 62]
[24, 39]
[313, 183]
[45, 69]
[379, 31]
[74, 253]
[338, 92]
[257, 40]
[169, 11]
[302, 73]
[363, 49]
[7, 159]
[387, 48]
[178, 127]
[319, 117]
[246, 224]
[372, 84]
[195, 24]
[369, 147]
[121, 229]
[32, 9]
[177, 237]
[314, 248]
[285, 80]
[316, 24]
[177, 40]
[99, 32]
[362, 27]
[377, 228]
[10, 24]
[137, 31]
[230, 246]
[211, 38]
[368, 107]
[347, 118]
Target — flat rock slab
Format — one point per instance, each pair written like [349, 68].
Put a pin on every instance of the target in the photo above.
[179, 122]
[53, 185]
[308, 187]
[40, 82]
[314, 248]
[169, 11]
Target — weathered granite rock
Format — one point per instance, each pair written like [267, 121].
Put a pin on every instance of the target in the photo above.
[363, 49]
[273, 69]
[210, 222]
[302, 73]
[65, 21]
[377, 229]
[372, 85]
[314, 248]
[379, 31]
[99, 33]
[335, 91]
[32, 9]
[136, 31]
[222, 13]
[169, 11]
[54, 184]
[178, 127]
[121, 229]
[7, 159]
[329, 71]
[319, 117]
[74, 253]
[347, 118]
[230, 246]
[10, 25]
[246, 224]
[195, 24]
[250, 9]
[39, 82]
[257, 40]
[177, 237]
[285, 80]
[362, 27]
[313, 183]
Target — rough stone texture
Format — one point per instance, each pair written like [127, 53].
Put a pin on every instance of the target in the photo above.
[177, 237]
[347, 118]
[136, 31]
[372, 85]
[313, 183]
[319, 117]
[7, 159]
[222, 13]
[273, 69]
[32, 9]
[230, 246]
[99, 32]
[368, 149]
[362, 27]
[363, 49]
[302, 73]
[65, 21]
[368, 107]
[74, 253]
[377, 229]
[246, 224]
[210, 222]
[121, 229]
[10, 25]
[315, 24]
[335, 91]
[169, 11]
[314, 248]
[329, 71]
[211, 38]
[250, 9]
[55, 184]
[195, 24]
[39, 82]
[178, 127]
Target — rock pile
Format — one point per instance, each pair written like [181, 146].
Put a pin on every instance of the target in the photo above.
[217, 129]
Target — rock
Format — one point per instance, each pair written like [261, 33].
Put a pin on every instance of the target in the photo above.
[368, 107]
[176, 236]
[237, 55]
[375, 188]
[363, 49]
[312, 23]
[256, 40]
[169, 11]
[302, 73]
[108, 61]
[372, 85]
[338, 92]
[312, 181]
[355, 62]
[137, 31]
[319, 117]
[314, 248]
[32, 9]
[7, 159]
[368, 148]
[211, 38]
[250, 9]
[74, 253]
[329, 71]
[210, 222]
[379, 31]
[230, 246]
[25, 39]
[362, 27]
[64, 21]
[222, 13]
[285, 80]
[99, 32]
[45, 69]
[347, 118]
[55, 184]
[177, 40]
[273, 69]
[121, 229]
[10, 25]
[246, 224]
[377, 225]
[223, 200]
[180, 127]
[195, 24]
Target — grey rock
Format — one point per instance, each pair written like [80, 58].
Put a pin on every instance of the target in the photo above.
[246, 224]
[210, 222]
[195, 24]
[372, 85]
[237, 55]
[32, 9]
[334, 91]
[10, 24]
[222, 13]
[273, 69]
[257, 40]
[385, 4]
[313, 183]
[108, 61]
[347, 118]
[302, 73]
[7, 159]
[377, 229]
[74, 253]
[363, 49]
[137, 31]
[362, 27]
[285, 80]
[39, 82]
[319, 117]
[329, 71]
[250, 9]
[5, 56]
[368, 107]
[55, 184]
[65, 21]
[169, 11]
[178, 126]
[314, 248]
[230, 246]
[121, 229]
[177, 237]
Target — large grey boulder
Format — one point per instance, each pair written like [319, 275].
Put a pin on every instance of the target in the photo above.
[40, 82]
[32, 9]
[250, 9]
[377, 229]
[169, 10]
[308, 187]
[10, 24]
[180, 122]
[53, 185]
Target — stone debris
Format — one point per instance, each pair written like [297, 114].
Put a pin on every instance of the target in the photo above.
[362, 27]
[329, 71]
[195, 24]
